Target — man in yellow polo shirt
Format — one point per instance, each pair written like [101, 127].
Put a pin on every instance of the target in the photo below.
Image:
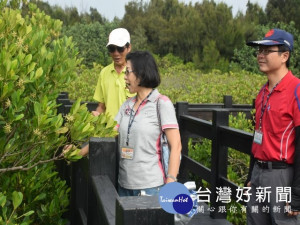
[111, 90]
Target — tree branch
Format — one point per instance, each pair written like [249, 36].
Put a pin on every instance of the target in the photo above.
[24, 168]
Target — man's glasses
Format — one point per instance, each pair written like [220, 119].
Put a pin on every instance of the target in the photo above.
[113, 48]
[265, 51]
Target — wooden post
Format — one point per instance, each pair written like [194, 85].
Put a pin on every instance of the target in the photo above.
[63, 100]
[63, 95]
[227, 101]
[103, 157]
[102, 161]
[219, 160]
[182, 109]
[79, 192]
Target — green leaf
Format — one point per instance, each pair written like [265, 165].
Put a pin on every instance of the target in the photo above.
[2, 200]
[24, 223]
[28, 29]
[38, 72]
[19, 117]
[14, 64]
[27, 59]
[20, 20]
[7, 64]
[31, 67]
[17, 198]
[5, 90]
[37, 108]
[28, 213]
[86, 127]
[62, 130]
[75, 106]
[40, 197]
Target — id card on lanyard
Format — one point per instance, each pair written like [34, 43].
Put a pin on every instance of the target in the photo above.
[126, 151]
[258, 134]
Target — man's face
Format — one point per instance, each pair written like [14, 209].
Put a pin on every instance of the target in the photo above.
[118, 54]
[270, 58]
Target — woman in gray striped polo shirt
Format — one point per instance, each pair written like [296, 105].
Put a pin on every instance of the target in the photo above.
[140, 167]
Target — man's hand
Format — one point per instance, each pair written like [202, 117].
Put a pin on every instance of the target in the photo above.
[95, 113]
[100, 109]
[293, 213]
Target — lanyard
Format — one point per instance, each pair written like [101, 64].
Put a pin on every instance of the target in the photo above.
[263, 106]
[131, 118]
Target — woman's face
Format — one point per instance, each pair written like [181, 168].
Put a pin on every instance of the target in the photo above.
[132, 82]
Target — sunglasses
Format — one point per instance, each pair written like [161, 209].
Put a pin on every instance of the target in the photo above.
[113, 48]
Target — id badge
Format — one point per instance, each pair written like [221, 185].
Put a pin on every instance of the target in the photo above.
[126, 153]
[258, 135]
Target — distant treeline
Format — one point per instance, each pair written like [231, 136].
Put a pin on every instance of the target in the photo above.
[206, 34]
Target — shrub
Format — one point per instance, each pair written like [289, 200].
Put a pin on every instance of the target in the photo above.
[36, 64]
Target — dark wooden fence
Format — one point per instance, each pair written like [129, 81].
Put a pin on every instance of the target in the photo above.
[93, 180]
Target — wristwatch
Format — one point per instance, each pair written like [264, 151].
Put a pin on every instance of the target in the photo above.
[172, 177]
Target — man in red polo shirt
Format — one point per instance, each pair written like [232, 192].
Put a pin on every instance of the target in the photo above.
[274, 174]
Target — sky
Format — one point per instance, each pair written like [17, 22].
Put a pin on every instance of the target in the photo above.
[111, 8]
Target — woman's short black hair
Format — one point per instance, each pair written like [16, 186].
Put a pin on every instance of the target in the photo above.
[145, 68]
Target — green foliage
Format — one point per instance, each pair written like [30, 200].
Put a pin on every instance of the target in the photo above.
[84, 85]
[81, 125]
[183, 83]
[7, 214]
[36, 64]
[254, 15]
[69, 15]
[170, 27]
[139, 39]
[285, 11]
[42, 190]
[193, 32]
[91, 40]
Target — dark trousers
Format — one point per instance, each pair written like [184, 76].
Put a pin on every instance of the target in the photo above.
[273, 209]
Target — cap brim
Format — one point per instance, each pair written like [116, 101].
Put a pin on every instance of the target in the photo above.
[264, 42]
[119, 44]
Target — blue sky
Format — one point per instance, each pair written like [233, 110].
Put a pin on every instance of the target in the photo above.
[111, 8]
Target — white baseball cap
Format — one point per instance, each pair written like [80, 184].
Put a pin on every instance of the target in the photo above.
[119, 37]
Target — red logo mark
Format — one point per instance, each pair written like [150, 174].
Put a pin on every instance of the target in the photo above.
[270, 33]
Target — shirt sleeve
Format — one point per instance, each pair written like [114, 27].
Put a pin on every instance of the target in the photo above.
[120, 114]
[296, 106]
[167, 113]
[98, 94]
[295, 203]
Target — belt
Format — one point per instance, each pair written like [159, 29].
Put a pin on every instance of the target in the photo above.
[272, 165]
